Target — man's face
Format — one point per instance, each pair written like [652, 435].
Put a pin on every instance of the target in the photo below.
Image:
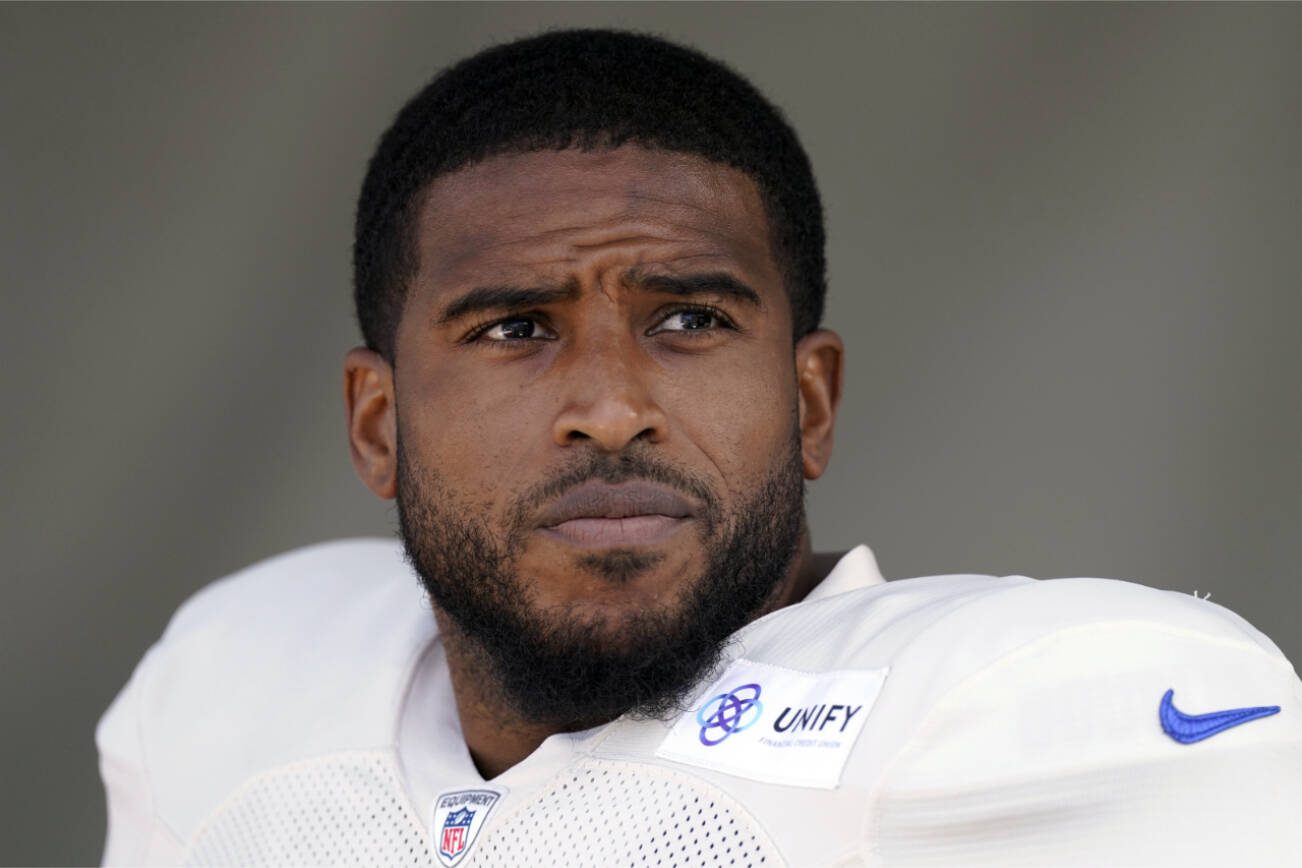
[598, 416]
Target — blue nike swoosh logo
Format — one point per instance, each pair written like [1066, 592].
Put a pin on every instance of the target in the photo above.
[1189, 728]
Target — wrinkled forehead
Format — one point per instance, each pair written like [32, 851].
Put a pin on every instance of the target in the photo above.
[547, 210]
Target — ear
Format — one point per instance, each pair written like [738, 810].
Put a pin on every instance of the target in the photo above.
[372, 423]
[819, 371]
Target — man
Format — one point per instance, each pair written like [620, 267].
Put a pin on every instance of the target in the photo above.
[589, 273]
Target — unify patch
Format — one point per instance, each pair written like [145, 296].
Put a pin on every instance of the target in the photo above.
[776, 725]
[457, 820]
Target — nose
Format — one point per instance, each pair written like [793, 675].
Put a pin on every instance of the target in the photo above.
[607, 403]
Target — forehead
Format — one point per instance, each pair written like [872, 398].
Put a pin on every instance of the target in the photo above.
[559, 211]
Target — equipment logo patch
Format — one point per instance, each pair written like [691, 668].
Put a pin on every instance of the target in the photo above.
[457, 820]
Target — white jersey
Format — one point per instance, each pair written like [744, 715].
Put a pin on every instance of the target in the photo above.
[300, 712]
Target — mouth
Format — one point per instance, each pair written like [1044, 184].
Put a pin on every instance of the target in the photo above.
[599, 515]
[635, 530]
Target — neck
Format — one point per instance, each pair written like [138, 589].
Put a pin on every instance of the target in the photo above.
[498, 737]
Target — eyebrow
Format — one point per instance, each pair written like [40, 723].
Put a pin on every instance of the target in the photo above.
[490, 298]
[486, 298]
[713, 283]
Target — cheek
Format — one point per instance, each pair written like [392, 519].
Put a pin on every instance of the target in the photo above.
[738, 413]
[476, 435]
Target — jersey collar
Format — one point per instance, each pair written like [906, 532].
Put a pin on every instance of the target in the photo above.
[856, 569]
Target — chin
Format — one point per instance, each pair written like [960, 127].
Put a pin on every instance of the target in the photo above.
[622, 566]
[615, 611]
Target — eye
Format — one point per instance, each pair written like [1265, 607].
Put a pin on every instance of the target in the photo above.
[692, 319]
[515, 328]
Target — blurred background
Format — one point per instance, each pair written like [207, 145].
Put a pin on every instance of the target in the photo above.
[1065, 257]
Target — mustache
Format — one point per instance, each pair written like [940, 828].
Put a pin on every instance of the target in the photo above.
[614, 469]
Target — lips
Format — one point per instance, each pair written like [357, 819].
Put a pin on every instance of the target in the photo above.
[632, 513]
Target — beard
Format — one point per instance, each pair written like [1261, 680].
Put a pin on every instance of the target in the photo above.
[555, 667]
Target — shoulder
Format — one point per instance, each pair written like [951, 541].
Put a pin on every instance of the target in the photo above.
[253, 671]
[313, 578]
[297, 628]
[1058, 693]
[1031, 721]
[984, 638]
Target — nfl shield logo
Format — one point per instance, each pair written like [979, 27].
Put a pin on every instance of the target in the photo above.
[457, 820]
[456, 833]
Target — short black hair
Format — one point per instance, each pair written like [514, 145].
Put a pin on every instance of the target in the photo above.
[587, 89]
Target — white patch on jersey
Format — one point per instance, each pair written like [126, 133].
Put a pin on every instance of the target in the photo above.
[776, 725]
[457, 820]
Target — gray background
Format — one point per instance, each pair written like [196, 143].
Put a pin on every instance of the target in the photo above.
[1064, 247]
